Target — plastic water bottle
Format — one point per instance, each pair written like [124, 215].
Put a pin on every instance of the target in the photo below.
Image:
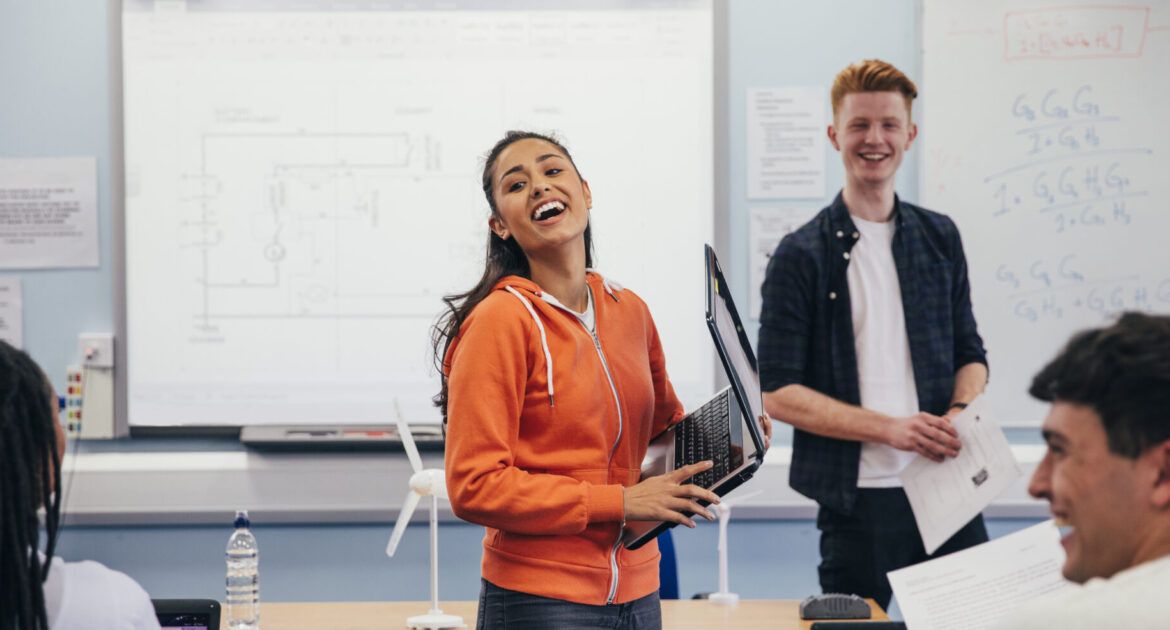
[243, 577]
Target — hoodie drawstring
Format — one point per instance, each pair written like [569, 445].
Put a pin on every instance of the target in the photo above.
[543, 340]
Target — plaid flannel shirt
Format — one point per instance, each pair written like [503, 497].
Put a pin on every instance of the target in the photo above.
[806, 329]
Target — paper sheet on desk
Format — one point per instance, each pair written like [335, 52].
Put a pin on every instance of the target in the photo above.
[945, 496]
[975, 588]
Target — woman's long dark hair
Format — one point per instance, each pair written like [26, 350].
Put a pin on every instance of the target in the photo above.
[504, 258]
[30, 467]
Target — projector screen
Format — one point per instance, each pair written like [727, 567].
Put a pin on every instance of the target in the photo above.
[302, 188]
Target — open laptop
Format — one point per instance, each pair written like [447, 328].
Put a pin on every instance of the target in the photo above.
[725, 429]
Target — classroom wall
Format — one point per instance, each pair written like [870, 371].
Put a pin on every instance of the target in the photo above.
[792, 43]
[55, 66]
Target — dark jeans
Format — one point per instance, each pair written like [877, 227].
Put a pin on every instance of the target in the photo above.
[880, 535]
[502, 609]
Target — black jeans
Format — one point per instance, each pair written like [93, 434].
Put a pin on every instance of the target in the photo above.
[880, 535]
[503, 609]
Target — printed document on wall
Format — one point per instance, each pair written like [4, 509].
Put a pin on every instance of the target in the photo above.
[975, 588]
[48, 213]
[10, 311]
[786, 143]
[948, 494]
[766, 226]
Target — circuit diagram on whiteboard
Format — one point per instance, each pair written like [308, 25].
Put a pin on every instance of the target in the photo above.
[280, 220]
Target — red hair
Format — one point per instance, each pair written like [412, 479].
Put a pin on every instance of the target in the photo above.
[871, 75]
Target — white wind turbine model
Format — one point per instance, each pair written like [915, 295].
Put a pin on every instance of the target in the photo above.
[433, 483]
[723, 509]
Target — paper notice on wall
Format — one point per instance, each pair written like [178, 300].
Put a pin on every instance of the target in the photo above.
[766, 226]
[786, 143]
[48, 213]
[11, 307]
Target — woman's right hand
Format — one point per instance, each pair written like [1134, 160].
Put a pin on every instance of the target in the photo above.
[664, 498]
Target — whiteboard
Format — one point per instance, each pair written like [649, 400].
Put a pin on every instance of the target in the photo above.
[302, 187]
[1046, 135]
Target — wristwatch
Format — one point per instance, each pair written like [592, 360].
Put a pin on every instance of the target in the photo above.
[957, 405]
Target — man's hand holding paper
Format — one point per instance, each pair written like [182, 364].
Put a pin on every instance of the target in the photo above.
[931, 436]
[945, 495]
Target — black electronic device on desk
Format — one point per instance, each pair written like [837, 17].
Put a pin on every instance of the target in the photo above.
[844, 609]
[428, 437]
[187, 614]
[834, 606]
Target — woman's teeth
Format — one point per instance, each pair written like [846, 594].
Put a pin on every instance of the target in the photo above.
[548, 210]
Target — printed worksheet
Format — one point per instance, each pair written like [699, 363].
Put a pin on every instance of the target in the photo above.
[948, 494]
[973, 589]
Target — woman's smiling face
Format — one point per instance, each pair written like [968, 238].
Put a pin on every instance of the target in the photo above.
[540, 199]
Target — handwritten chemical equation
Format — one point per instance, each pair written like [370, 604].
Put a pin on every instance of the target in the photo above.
[1053, 289]
[1107, 301]
[1070, 173]
[1068, 33]
[1051, 105]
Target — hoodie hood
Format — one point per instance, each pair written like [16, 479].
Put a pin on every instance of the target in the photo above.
[526, 290]
[594, 280]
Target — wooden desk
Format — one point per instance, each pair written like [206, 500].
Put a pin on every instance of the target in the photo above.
[676, 614]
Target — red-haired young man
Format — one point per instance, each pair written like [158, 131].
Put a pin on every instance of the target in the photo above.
[868, 342]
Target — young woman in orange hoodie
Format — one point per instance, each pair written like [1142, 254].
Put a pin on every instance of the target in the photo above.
[554, 383]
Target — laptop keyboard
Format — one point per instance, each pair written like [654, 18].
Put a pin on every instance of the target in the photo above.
[704, 435]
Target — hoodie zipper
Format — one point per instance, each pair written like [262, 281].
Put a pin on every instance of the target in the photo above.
[613, 565]
[613, 550]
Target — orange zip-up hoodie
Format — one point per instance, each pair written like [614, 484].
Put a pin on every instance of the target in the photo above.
[546, 423]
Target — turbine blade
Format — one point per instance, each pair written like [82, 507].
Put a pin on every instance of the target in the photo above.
[408, 444]
[408, 506]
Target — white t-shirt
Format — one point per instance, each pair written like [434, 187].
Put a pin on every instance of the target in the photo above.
[83, 595]
[1134, 598]
[588, 318]
[884, 370]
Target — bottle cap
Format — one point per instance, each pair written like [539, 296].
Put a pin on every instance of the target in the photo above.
[242, 519]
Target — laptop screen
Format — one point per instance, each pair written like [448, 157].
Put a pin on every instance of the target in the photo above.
[734, 345]
[740, 360]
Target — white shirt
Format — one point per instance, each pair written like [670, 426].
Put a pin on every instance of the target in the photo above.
[82, 595]
[885, 373]
[1134, 598]
[587, 318]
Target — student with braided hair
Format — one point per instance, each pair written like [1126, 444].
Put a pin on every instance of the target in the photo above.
[37, 590]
